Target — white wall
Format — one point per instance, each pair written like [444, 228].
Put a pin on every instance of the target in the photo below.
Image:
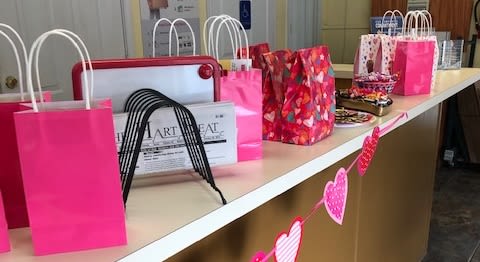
[263, 20]
[98, 22]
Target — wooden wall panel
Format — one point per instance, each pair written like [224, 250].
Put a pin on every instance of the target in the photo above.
[454, 16]
[380, 6]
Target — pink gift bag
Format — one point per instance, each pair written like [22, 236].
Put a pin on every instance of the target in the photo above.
[243, 86]
[4, 240]
[256, 51]
[70, 169]
[376, 52]
[244, 89]
[367, 54]
[11, 183]
[274, 88]
[415, 56]
[11, 176]
[308, 112]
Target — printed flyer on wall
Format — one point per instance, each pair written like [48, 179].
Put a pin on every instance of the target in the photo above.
[153, 10]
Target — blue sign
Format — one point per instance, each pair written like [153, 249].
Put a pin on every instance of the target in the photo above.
[245, 14]
[392, 25]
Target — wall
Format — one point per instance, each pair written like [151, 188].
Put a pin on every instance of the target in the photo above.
[98, 23]
[342, 22]
[274, 30]
[476, 62]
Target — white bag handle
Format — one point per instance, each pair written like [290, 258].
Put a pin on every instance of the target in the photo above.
[208, 47]
[36, 46]
[406, 21]
[392, 16]
[211, 40]
[418, 17]
[79, 40]
[236, 34]
[204, 34]
[17, 57]
[238, 31]
[430, 21]
[178, 42]
[155, 33]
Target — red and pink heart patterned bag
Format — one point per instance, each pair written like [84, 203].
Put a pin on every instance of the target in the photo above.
[308, 113]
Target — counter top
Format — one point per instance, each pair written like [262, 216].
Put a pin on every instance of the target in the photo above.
[343, 71]
[166, 214]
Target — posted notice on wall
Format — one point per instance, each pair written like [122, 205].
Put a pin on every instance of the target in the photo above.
[153, 10]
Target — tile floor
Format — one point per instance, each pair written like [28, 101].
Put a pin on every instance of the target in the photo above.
[455, 222]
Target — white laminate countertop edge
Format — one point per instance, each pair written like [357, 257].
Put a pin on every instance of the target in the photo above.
[213, 221]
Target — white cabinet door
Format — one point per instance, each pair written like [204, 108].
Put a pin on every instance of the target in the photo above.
[98, 22]
[262, 21]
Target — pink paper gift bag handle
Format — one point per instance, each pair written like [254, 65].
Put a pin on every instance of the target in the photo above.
[172, 27]
[210, 47]
[238, 45]
[154, 33]
[392, 16]
[36, 46]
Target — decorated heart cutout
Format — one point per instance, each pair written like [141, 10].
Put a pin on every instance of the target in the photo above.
[298, 102]
[320, 77]
[295, 139]
[288, 245]
[368, 151]
[335, 196]
[259, 257]
[308, 122]
[270, 116]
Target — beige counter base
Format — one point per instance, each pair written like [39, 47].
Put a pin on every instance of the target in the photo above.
[387, 215]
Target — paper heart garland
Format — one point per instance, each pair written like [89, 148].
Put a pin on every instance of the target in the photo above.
[368, 150]
[259, 257]
[335, 196]
[288, 245]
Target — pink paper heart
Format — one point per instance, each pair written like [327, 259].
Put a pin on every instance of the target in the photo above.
[287, 245]
[308, 122]
[295, 139]
[297, 110]
[298, 102]
[368, 151]
[320, 77]
[335, 196]
[270, 116]
[258, 257]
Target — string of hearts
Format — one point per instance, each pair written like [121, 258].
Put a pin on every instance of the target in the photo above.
[287, 244]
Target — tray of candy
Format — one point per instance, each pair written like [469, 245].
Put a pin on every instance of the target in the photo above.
[363, 105]
[376, 82]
